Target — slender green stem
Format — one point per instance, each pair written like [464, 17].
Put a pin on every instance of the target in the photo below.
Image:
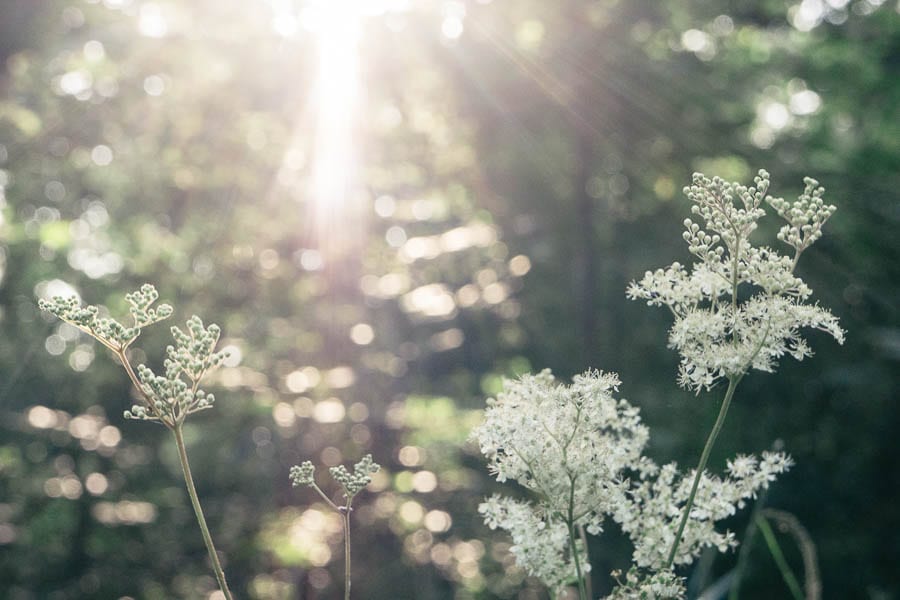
[195, 501]
[582, 592]
[345, 518]
[704, 457]
[324, 496]
[789, 578]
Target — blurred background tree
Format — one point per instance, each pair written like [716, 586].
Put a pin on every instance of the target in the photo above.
[389, 206]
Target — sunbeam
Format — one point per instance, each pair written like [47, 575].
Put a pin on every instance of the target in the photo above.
[337, 27]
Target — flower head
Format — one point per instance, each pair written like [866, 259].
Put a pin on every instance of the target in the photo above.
[555, 439]
[580, 451]
[717, 334]
[361, 476]
[303, 474]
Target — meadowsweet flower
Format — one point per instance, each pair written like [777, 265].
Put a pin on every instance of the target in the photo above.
[651, 512]
[563, 441]
[580, 450]
[717, 335]
[540, 539]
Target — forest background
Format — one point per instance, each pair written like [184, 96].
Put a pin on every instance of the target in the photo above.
[387, 213]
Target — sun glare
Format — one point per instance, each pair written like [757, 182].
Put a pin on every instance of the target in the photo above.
[337, 97]
[337, 26]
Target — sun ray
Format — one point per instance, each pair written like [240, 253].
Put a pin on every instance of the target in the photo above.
[337, 102]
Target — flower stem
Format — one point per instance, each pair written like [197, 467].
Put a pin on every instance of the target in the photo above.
[198, 511]
[733, 381]
[345, 519]
[582, 592]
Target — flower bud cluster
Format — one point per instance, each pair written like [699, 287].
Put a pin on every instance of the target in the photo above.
[361, 476]
[140, 302]
[717, 335]
[176, 394]
[351, 482]
[194, 352]
[303, 474]
[169, 397]
[109, 332]
[805, 217]
[580, 451]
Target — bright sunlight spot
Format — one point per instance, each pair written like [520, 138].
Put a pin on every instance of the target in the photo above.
[337, 25]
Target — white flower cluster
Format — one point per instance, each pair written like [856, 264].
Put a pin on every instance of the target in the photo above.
[716, 334]
[540, 539]
[581, 451]
[642, 585]
[650, 515]
[566, 443]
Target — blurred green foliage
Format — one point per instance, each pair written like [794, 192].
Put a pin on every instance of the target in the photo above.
[518, 163]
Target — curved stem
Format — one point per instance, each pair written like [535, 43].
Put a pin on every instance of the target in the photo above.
[775, 550]
[791, 525]
[704, 457]
[198, 511]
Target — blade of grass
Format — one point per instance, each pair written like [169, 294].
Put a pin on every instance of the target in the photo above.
[778, 556]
